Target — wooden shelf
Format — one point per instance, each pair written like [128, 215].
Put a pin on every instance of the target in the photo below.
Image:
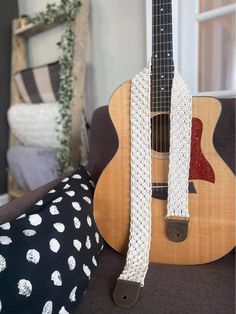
[34, 29]
[19, 62]
[15, 191]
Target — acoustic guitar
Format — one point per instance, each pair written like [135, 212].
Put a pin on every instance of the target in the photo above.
[210, 232]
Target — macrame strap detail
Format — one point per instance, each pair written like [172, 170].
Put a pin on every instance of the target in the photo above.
[180, 148]
[137, 260]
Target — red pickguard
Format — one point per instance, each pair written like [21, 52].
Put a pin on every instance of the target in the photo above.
[200, 169]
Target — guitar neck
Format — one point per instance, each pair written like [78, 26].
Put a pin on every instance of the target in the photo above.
[162, 55]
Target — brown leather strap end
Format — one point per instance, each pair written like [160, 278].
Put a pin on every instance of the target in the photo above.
[126, 293]
[177, 229]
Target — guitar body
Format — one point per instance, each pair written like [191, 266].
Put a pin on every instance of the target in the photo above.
[211, 232]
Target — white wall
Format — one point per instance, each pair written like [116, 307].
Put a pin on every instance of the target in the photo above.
[41, 48]
[188, 43]
[118, 39]
[118, 44]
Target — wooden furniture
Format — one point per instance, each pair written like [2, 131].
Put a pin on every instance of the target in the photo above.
[7, 13]
[19, 62]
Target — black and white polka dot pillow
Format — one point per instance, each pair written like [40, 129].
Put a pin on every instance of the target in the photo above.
[48, 255]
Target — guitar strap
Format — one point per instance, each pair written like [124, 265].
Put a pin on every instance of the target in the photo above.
[137, 260]
[180, 149]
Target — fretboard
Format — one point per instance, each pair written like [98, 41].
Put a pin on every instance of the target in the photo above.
[162, 55]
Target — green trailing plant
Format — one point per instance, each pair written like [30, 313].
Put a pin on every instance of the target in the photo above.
[65, 12]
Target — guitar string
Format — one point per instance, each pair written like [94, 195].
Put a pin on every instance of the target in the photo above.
[154, 73]
[152, 85]
[161, 66]
[165, 61]
[170, 78]
[156, 48]
[165, 88]
[160, 45]
[164, 92]
[168, 87]
[154, 91]
[158, 60]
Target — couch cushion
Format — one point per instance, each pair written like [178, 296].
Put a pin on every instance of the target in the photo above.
[39, 84]
[32, 167]
[48, 255]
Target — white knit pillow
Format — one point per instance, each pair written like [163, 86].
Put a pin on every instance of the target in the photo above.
[35, 125]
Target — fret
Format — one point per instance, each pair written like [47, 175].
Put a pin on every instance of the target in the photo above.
[162, 51]
[162, 34]
[159, 108]
[166, 101]
[161, 91]
[160, 102]
[168, 44]
[160, 67]
[159, 4]
[163, 43]
[163, 37]
[165, 98]
[162, 14]
[160, 81]
[169, 70]
[163, 102]
[160, 105]
[162, 64]
[161, 20]
[163, 81]
[160, 88]
[161, 24]
[161, 60]
[166, 85]
[164, 75]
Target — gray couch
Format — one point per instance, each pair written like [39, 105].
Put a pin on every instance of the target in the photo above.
[207, 289]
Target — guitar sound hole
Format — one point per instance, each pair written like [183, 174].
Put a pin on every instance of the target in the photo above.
[161, 133]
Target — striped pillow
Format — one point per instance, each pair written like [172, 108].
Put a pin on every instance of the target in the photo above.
[39, 84]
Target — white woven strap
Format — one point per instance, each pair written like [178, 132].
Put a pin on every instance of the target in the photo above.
[141, 192]
[180, 148]
[137, 259]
